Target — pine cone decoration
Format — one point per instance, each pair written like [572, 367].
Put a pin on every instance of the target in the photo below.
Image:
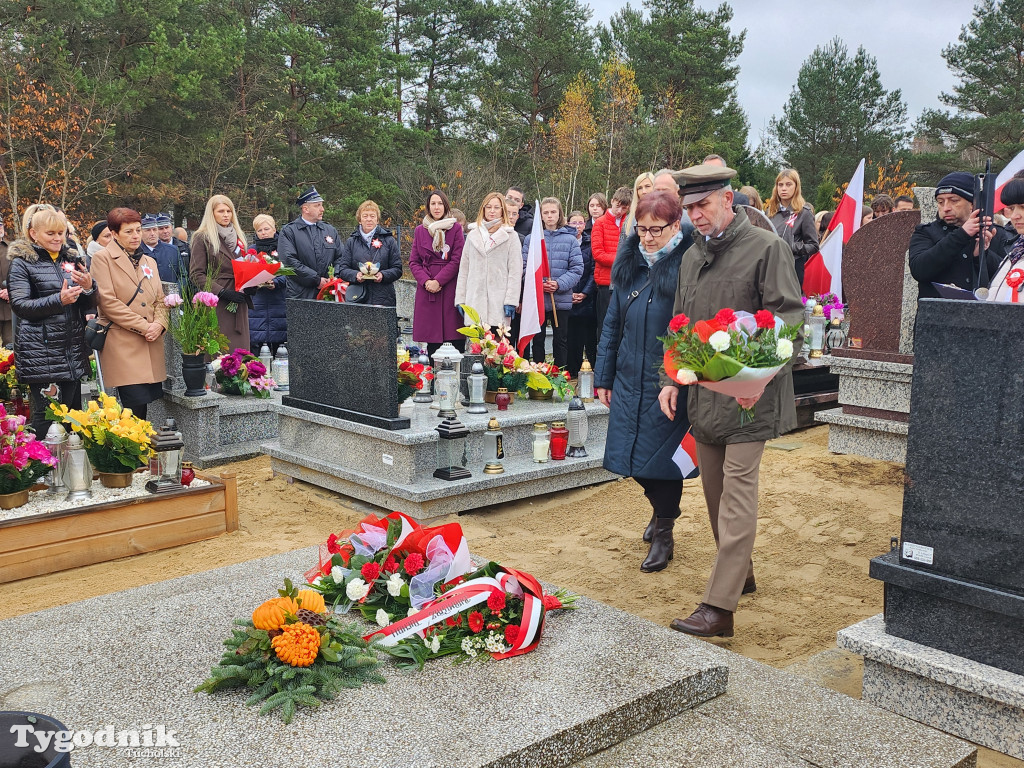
[312, 618]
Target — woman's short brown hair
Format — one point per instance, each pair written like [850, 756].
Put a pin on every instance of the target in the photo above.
[660, 206]
[367, 205]
[118, 217]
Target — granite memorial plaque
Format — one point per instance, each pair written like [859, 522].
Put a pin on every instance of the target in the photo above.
[956, 581]
[874, 267]
[343, 361]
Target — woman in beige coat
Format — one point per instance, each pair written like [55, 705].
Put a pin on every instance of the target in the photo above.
[131, 300]
[218, 241]
[491, 270]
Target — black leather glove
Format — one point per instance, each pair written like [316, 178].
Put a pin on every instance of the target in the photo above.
[236, 296]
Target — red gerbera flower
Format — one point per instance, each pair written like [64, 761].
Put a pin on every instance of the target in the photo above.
[370, 572]
[726, 316]
[454, 621]
[511, 634]
[413, 563]
[496, 601]
[476, 622]
[678, 322]
[332, 544]
[764, 319]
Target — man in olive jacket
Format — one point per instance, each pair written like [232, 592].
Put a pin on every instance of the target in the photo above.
[738, 266]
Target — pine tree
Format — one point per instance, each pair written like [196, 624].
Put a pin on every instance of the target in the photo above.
[837, 113]
[989, 99]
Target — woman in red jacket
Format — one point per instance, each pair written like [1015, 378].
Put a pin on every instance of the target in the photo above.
[604, 242]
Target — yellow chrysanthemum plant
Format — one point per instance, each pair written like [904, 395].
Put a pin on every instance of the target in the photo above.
[115, 439]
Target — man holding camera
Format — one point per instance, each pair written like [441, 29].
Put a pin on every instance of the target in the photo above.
[945, 250]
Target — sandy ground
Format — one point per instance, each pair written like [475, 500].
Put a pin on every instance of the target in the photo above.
[822, 517]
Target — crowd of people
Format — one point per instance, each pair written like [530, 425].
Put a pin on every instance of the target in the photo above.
[675, 242]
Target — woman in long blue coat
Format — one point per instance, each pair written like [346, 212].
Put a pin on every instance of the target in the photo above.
[641, 440]
[268, 321]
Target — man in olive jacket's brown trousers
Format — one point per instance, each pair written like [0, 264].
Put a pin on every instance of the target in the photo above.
[738, 266]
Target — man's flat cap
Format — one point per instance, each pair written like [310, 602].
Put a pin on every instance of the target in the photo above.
[699, 181]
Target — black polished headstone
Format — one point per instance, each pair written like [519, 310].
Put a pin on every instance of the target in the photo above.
[957, 580]
[342, 362]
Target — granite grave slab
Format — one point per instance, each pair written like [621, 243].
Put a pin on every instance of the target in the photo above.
[599, 676]
[957, 581]
[343, 361]
[963, 697]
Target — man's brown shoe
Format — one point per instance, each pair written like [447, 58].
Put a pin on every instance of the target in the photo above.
[749, 586]
[706, 621]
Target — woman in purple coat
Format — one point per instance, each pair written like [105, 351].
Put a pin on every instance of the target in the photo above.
[434, 262]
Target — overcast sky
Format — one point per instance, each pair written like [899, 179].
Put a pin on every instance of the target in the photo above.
[905, 36]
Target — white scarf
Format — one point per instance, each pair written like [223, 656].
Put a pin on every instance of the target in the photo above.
[437, 230]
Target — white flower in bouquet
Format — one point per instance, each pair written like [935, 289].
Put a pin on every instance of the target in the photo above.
[467, 646]
[357, 589]
[433, 643]
[316, 581]
[412, 610]
[338, 574]
[215, 364]
[686, 376]
[495, 643]
[719, 341]
[394, 584]
[383, 617]
[784, 349]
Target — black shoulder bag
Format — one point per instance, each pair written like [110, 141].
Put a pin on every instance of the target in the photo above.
[96, 332]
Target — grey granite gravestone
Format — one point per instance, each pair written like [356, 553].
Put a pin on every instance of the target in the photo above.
[343, 362]
[956, 582]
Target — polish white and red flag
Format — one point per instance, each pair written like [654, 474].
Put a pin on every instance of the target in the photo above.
[817, 277]
[685, 456]
[532, 318]
[1005, 175]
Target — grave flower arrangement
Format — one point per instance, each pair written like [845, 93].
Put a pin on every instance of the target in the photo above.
[734, 353]
[334, 289]
[293, 652]
[388, 566]
[194, 323]
[411, 377]
[8, 378]
[502, 364]
[242, 373]
[115, 439]
[494, 612]
[23, 459]
[828, 302]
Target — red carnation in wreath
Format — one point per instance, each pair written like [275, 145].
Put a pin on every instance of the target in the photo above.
[413, 563]
[332, 544]
[390, 565]
[370, 571]
[496, 602]
[511, 634]
[764, 319]
[726, 316]
[678, 322]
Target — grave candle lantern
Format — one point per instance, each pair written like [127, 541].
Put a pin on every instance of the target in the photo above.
[424, 395]
[817, 338]
[451, 448]
[279, 369]
[477, 389]
[585, 383]
[579, 428]
[494, 448]
[56, 443]
[541, 443]
[559, 437]
[78, 470]
[167, 445]
[446, 383]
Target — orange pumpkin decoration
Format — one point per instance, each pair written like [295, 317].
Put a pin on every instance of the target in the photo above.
[298, 644]
[311, 600]
[271, 614]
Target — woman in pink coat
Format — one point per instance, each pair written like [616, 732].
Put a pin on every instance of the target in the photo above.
[434, 262]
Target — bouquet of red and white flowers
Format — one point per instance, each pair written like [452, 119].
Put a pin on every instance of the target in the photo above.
[734, 353]
[254, 268]
[495, 611]
[389, 567]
